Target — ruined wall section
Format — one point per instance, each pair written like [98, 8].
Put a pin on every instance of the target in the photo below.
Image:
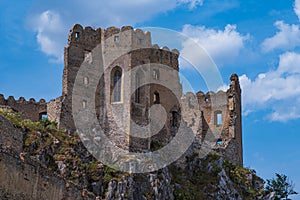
[158, 66]
[235, 123]
[219, 120]
[54, 109]
[81, 42]
[28, 109]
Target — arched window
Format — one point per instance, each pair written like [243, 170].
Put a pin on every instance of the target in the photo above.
[156, 98]
[137, 88]
[116, 86]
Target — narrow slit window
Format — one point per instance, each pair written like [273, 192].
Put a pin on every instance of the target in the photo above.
[219, 120]
[155, 74]
[156, 98]
[174, 121]
[137, 90]
[117, 85]
[84, 103]
[85, 80]
[77, 35]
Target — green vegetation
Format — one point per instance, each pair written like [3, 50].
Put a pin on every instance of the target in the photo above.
[204, 179]
[50, 145]
[282, 187]
[195, 185]
[66, 155]
[250, 185]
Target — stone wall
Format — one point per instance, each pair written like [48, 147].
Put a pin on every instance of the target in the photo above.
[29, 181]
[54, 109]
[28, 109]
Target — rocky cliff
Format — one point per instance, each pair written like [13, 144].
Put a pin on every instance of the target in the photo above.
[37, 161]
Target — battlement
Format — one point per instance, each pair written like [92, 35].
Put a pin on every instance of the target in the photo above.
[21, 100]
[175, 51]
[89, 37]
[30, 109]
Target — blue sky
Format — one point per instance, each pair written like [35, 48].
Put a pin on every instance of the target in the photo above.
[258, 40]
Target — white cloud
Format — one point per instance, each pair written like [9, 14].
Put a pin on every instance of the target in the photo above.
[49, 26]
[223, 46]
[53, 23]
[277, 90]
[287, 38]
[297, 8]
[192, 3]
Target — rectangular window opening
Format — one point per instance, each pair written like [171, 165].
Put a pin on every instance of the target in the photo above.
[116, 38]
[219, 119]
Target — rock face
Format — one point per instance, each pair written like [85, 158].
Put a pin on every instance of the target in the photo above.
[54, 165]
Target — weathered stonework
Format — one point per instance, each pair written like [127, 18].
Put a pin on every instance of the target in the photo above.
[124, 50]
[28, 109]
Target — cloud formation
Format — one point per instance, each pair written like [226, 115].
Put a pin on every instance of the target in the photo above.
[297, 8]
[287, 38]
[49, 26]
[277, 89]
[223, 46]
[53, 23]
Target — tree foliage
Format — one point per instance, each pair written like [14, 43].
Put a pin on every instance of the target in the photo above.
[282, 187]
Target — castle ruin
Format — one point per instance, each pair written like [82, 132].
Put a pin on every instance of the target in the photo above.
[126, 92]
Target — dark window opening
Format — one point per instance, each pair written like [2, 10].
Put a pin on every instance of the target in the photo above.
[219, 141]
[174, 120]
[137, 90]
[156, 98]
[117, 86]
[206, 99]
[43, 116]
[77, 35]
[116, 38]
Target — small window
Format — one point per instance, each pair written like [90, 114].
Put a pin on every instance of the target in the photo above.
[155, 74]
[220, 142]
[116, 85]
[44, 116]
[76, 34]
[174, 121]
[206, 99]
[219, 120]
[137, 90]
[85, 80]
[116, 38]
[156, 98]
[84, 103]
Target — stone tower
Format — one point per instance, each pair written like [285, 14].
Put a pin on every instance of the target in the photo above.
[133, 77]
[138, 76]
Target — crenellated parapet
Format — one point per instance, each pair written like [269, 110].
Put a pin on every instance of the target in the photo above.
[162, 56]
[30, 109]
